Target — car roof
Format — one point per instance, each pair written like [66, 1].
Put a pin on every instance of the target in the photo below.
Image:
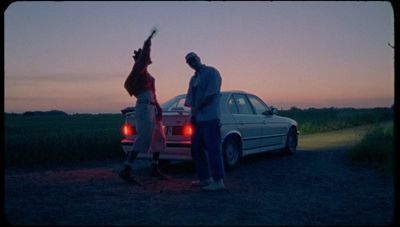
[224, 92]
[234, 91]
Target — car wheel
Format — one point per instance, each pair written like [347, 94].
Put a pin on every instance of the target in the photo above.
[232, 153]
[291, 142]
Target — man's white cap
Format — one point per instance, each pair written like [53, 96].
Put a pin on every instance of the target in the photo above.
[191, 55]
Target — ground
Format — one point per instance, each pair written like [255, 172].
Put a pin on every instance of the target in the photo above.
[311, 187]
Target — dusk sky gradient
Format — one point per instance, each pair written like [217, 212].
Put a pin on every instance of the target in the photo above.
[75, 56]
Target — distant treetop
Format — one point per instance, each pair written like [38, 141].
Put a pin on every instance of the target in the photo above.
[45, 113]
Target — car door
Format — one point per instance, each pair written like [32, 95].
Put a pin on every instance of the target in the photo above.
[273, 129]
[248, 122]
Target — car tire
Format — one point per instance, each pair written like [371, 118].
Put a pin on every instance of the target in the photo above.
[232, 153]
[291, 142]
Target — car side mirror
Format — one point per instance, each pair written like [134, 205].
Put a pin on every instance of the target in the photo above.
[270, 111]
[274, 110]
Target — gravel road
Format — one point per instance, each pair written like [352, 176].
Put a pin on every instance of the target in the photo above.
[317, 187]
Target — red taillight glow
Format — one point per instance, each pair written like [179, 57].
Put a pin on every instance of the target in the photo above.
[187, 129]
[128, 130]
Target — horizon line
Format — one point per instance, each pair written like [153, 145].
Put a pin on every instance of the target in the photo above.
[282, 109]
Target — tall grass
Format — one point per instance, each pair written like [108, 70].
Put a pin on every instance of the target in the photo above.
[329, 119]
[376, 148]
[35, 140]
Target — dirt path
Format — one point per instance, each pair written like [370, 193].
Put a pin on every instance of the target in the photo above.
[312, 187]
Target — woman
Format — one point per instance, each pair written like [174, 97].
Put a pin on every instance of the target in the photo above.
[148, 114]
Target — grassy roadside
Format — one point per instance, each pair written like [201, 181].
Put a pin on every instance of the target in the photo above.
[334, 139]
[339, 138]
[370, 145]
[330, 119]
[376, 148]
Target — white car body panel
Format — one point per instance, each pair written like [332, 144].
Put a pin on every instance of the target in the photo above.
[257, 132]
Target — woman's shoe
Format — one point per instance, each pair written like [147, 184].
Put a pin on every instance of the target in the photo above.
[126, 175]
[155, 172]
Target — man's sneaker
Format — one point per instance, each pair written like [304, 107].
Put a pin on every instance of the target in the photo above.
[214, 186]
[155, 172]
[202, 183]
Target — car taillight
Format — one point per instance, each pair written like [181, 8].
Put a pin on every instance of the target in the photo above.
[128, 130]
[187, 129]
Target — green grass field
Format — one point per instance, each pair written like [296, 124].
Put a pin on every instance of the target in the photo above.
[333, 139]
[39, 140]
[329, 119]
[35, 140]
[370, 145]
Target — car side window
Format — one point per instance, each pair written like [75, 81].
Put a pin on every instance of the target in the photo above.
[232, 106]
[181, 104]
[242, 104]
[258, 105]
[175, 104]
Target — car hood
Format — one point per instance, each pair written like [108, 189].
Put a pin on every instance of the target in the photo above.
[286, 119]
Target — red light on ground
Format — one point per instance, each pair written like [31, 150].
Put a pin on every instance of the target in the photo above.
[128, 130]
[187, 130]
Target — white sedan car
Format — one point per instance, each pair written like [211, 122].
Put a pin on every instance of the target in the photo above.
[248, 126]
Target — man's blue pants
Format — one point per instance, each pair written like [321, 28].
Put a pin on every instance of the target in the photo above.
[206, 150]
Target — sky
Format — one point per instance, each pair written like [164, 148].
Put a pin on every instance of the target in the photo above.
[75, 56]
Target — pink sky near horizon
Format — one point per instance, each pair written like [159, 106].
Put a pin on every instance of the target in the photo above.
[75, 56]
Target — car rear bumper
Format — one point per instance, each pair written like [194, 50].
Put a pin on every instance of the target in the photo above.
[174, 151]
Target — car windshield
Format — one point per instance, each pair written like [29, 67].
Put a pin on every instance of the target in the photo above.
[176, 103]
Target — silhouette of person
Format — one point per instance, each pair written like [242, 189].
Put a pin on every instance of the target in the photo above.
[148, 115]
[203, 97]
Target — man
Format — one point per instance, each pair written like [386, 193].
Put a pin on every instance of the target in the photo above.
[148, 115]
[203, 97]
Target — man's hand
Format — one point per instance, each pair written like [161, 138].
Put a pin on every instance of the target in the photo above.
[193, 120]
[195, 110]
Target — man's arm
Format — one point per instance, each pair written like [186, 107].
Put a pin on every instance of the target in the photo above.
[188, 99]
[204, 103]
[213, 86]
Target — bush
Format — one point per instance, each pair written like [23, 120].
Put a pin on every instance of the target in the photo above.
[375, 149]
